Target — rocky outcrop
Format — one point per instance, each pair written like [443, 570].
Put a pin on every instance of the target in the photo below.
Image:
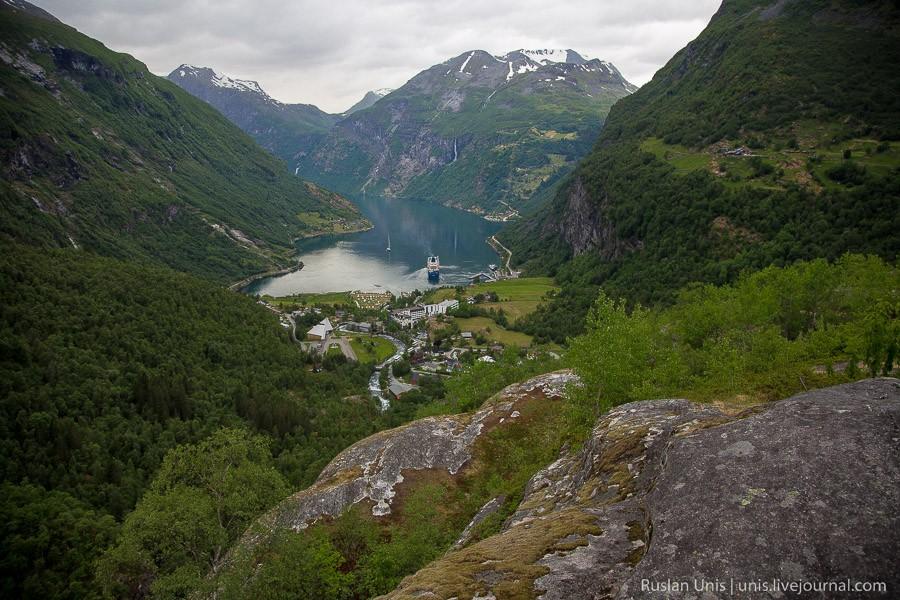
[669, 494]
[373, 470]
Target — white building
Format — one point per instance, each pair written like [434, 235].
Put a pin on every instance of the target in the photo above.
[441, 307]
[320, 331]
[407, 316]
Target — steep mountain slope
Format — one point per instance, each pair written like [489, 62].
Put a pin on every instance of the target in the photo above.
[368, 100]
[769, 138]
[478, 132]
[282, 129]
[765, 140]
[97, 152]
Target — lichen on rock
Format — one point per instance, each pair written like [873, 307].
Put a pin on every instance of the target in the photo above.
[807, 488]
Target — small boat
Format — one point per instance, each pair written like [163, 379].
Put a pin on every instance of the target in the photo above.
[389, 243]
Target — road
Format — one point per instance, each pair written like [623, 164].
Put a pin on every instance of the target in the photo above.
[508, 253]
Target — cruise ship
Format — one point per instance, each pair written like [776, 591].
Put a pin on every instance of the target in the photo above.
[433, 265]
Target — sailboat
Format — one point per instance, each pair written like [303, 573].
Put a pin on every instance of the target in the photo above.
[389, 243]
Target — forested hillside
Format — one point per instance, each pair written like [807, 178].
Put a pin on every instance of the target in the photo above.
[106, 365]
[770, 138]
[97, 152]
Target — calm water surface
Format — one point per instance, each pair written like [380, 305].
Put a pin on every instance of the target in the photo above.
[361, 261]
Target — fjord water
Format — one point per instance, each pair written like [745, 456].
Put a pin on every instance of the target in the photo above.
[361, 261]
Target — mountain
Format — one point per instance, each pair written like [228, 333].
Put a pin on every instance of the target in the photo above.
[282, 129]
[770, 138]
[478, 132]
[368, 100]
[100, 154]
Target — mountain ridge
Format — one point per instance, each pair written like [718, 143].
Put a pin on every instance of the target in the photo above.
[281, 128]
[477, 131]
[98, 153]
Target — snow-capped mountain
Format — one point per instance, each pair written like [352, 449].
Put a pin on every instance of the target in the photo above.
[283, 129]
[477, 131]
[218, 80]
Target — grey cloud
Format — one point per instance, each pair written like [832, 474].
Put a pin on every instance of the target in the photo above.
[330, 53]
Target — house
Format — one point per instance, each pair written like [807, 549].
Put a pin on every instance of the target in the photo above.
[361, 327]
[398, 388]
[321, 331]
[466, 335]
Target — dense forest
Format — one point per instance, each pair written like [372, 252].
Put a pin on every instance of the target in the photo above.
[107, 365]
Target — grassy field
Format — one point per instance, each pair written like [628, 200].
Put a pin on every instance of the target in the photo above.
[371, 349]
[682, 158]
[518, 297]
[297, 300]
[806, 163]
[494, 332]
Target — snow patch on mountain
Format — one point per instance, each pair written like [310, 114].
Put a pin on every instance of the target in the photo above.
[462, 69]
[222, 81]
[546, 56]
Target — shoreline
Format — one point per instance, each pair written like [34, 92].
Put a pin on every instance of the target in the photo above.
[239, 286]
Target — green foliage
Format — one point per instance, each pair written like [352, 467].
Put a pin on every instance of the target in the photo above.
[622, 357]
[759, 337]
[282, 129]
[105, 366]
[848, 173]
[477, 382]
[401, 368]
[295, 566]
[129, 165]
[48, 541]
[202, 498]
[377, 554]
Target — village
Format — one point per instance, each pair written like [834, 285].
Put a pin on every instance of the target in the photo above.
[415, 337]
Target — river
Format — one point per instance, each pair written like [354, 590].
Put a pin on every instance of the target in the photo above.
[361, 261]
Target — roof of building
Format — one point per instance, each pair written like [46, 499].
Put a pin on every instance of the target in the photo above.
[399, 388]
[322, 329]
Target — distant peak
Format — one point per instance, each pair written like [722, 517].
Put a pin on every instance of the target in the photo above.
[552, 55]
[218, 79]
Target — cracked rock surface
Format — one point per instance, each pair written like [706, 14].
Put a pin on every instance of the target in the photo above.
[371, 469]
[807, 488]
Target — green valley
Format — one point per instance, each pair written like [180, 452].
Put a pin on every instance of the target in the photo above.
[99, 153]
[564, 338]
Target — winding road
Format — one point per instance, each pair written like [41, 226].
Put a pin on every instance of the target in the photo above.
[505, 249]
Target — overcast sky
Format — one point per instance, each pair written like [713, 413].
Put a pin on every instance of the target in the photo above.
[329, 53]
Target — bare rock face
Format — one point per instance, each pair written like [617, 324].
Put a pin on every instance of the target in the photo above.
[372, 469]
[669, 495]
